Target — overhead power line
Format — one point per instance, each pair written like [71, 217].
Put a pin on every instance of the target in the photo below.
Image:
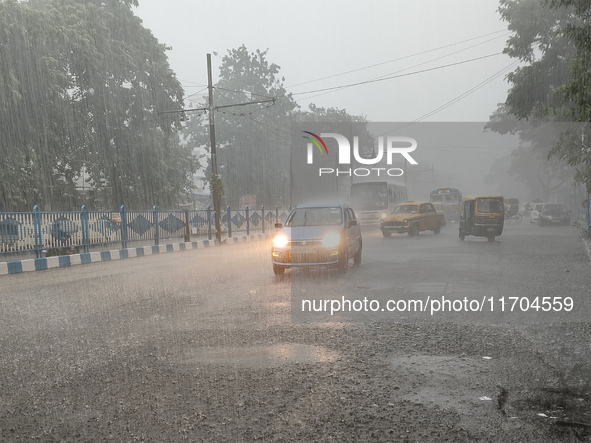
[333, 88]
[412, 67]
[503, 31]
[460, 96]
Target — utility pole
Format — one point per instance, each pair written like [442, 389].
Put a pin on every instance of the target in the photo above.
[215, 180]
[215, 183]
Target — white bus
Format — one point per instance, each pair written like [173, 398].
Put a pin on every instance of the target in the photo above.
[372, 200]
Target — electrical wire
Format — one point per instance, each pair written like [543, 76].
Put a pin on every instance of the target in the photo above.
[504, 31]
[281, 132]
[333, 88]
[438, 58]
[411, 67]
[252, 94]
[461, 96]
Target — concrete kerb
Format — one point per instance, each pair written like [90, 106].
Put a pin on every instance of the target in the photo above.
[63, 261]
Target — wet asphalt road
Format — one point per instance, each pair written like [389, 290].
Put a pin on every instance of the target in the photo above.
[209, 345]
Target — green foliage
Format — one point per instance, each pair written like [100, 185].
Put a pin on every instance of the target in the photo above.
[85, 82]
[216, 186]
[318, 114]
[553, 39]
[254, 141]
[336, 116]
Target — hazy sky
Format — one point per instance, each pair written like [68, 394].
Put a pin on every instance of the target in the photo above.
[329, 43]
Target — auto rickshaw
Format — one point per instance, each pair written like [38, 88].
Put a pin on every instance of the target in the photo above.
[482, 216]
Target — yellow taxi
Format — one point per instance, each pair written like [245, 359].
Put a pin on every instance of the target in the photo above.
[412, 217]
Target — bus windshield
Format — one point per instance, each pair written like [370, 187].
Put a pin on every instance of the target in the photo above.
[369, 196]
[446, 196]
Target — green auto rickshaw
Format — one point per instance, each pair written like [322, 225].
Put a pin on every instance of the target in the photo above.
[482, 216]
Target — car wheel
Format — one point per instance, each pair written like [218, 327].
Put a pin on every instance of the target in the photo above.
[343, 262]
[414, 230]
[278, 270]
[491, 238]
[357, 256]
[540, 222]
[462, 236]
[386, 234]
[437, 229]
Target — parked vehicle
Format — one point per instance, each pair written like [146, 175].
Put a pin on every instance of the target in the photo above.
[533, 216]
[412, 217]
[554, 214]
[482, 216]
[317, 235]
[529, 206]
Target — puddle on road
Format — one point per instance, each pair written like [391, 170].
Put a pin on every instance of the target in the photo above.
[448, 382]
[260, 356]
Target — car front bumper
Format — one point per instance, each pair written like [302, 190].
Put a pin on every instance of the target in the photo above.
[305, 256]
[394, 228]
[389, 230]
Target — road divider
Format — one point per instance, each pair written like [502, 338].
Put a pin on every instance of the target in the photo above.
[64, 261]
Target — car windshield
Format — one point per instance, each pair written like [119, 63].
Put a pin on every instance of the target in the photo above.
[555, 209]
[406, 209]
[321, 216]
[487, 205]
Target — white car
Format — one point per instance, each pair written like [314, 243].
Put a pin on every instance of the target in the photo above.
[535, 212]
[317, 235]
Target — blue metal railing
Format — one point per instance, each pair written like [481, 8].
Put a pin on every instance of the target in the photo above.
[77, 231]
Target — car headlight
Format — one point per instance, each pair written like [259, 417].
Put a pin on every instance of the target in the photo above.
[280, 241]
[383, 215]
[331, 240]
[405, 220]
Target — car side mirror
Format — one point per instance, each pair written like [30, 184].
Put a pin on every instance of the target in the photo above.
[352, 223]
[278, 225]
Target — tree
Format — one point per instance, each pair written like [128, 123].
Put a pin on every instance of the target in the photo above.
[30, 86]
[252, 140]
[552, 39]
[86, 83]
[305, 183]
[530, 163]
[336, 117]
